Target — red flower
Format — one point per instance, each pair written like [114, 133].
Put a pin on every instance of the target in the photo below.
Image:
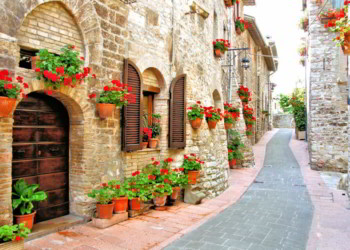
[193, 154]
[94, 76]
[106, 88]
[49, 92]
[78, 76]
[164, 171]
[25, 85]
[152, 177]
[19, 79]
[198, 102]
[156, 163]
[18, 238]
[72, 46]
[185, 157]
[93, 95]
[181, 169]
[87, 70]
[167, 181]
[104, 185]
[117, 186]
[168, 160]
[129, 89]
[135, 173]
[190, 108]
[60, 70]
[230, 150]
[82, 58]
[67, 81]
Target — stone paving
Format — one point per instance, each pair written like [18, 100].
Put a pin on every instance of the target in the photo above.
[275, 212]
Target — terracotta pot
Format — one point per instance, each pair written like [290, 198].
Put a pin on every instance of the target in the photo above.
[228, 125]
[120, 205]
[160, 201]
[144, 144]
[152, 143]
[105, 211]
[232, 163]
[105, 110]
[7, 105]
[212, 124]
[176, 192]
[193, 176]
[217, 53]
[196, 123]
[34, 60]
[135, 204]
[155, 120]
[12, 245]
[27, 219]
[346, 46]
[238, 31]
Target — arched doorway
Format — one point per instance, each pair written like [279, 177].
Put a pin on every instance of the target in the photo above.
[40, 151]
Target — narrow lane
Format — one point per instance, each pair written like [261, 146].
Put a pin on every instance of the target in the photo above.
[275, 212]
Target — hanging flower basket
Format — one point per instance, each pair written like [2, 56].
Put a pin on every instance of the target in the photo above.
[220, 47]
[105, 110]
[217, 53]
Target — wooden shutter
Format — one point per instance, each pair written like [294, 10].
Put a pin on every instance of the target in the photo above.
[132, 113]
[177, 117]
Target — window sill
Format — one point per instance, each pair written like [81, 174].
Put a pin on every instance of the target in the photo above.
[149, 150]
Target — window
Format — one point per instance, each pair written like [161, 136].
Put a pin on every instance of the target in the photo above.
[26, 58]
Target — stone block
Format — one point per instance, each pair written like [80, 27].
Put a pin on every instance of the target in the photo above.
[193, 196]
[104, 223]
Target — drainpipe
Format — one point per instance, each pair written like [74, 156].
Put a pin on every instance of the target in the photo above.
[229, 99]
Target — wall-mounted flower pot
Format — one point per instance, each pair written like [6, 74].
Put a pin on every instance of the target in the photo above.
[160, 201]
[346, 46]
[7, 105]
[12, 245]
[232, 163]
[217, 53]
[176, 192]
[196, 124]
[135, 204]
[105, 110]
[325, 20]
[34, 60]
[104, 211]
[228, 126]
[27, 219]
[238, 31]
[212, 124]
[120, 205]
[152, 143]
[144, 144]
[193, 176]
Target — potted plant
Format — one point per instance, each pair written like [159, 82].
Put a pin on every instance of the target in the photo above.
[22, 202]
[146, 135]
[234, 148]
[178, 180]
[329, 17]
[9, 92]
[249, 134]
[156, 130]
[156, 118]
[228, 119]
[303, 50]
[192, 166]
[298, 109]
[195, 115]
[304, 22]
[244, 94]
[119, 196]
[220, 47]
[230, 3]
[65, 69]
[104, 198]
[111, 97]
[235, 113]
[241, 25]
[11, 236]
[138, 189]
[212, 116]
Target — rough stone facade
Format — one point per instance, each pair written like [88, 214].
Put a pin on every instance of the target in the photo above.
[283, 121]
[166, 39]
[327, 98]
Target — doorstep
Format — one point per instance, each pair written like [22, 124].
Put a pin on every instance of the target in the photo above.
[52, 226]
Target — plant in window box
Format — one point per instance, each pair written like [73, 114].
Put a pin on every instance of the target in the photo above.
[213, 116]
[195, 115]
[230, 3]
[220, 47]
[9, 92]
[66, 68]
[146, 135]
[119, 196]
[156, 129]
[22, 202]
[244, 94]
[229, 121]
[241, 25]
[104, 197]
[110, 97]
[138, 189]
[11, 236]
[192, 166]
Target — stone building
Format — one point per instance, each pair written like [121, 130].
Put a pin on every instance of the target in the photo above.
[326, 95]
[157, 49]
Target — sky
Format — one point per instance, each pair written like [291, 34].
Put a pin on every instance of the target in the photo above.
[279, 19]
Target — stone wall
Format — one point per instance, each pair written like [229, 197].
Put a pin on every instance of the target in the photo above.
[328, 116]
[283, 121]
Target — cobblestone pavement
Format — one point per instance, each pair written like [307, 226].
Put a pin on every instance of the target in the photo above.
[274, 213]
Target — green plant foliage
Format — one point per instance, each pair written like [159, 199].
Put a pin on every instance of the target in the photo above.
[235, 145]
[13, 232]
[299, 110]
[117, 188]
[191, 163]
[138, 186]
[24, 196]
[156, 130]
[285, 105]
[102, 195]
[196, 111]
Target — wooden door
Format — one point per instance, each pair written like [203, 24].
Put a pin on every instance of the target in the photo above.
[40, 151]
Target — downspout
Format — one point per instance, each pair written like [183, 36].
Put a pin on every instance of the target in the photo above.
[229, 99]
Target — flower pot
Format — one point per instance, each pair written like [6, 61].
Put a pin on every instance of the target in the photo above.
[212, 124]
[160, 201]
[217, 53]
[196, 123]
[105, 110]
[228, 125]
[176, 192]
[238, 31]
[105, 211]
[144, 144]
[135, 204]
[193, 176]
[120, 205]
[12, 245]
[27, 219]
[346, 46]
[152, 143]
[7, 105]
[232, 163]
[34, 60]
